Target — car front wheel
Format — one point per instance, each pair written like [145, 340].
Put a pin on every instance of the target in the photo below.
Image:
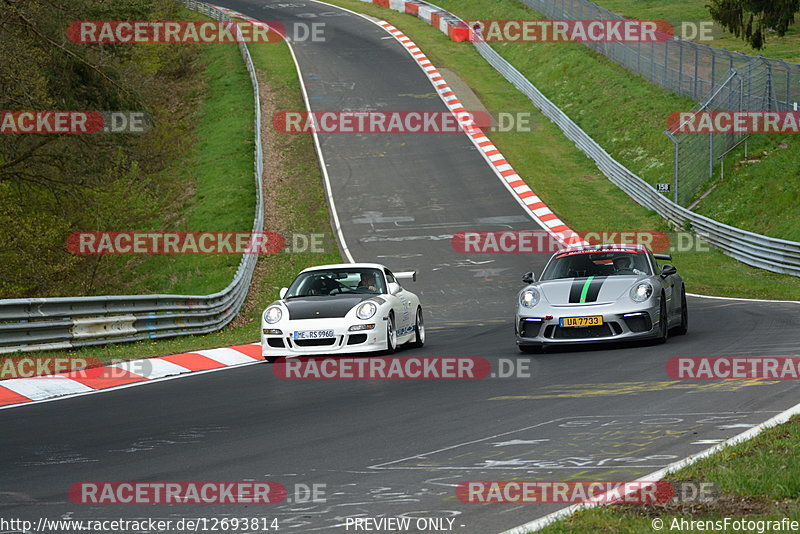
[663, 322]
[391, 336]
[684, 326]
[419, 330]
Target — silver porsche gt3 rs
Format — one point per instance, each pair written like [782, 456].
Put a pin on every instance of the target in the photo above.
[601, 293]
[345, 308]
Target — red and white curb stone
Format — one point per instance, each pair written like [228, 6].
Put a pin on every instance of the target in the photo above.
[446, 22]
[25, 390]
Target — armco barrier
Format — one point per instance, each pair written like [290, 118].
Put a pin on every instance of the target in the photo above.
[66, 322]
[772, 254]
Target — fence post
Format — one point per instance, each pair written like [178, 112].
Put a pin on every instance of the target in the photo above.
[639, 56]
[770, 90]
[653, 62]
[696, 59]
[680, 69]
[713, 72]
[675, 172]
[711, 155]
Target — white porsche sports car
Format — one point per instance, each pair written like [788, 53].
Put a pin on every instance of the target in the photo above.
[345, 308]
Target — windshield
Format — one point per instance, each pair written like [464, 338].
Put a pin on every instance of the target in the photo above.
[334, 282]
[607, 263]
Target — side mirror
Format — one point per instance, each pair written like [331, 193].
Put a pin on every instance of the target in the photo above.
[528, 278]
[394, 288]
[668, 270]
[283, 292]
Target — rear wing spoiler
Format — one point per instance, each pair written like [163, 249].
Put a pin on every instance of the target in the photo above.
[407, 275]
[664, 257]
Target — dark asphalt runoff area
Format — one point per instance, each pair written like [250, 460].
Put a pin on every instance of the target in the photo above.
[399, 448]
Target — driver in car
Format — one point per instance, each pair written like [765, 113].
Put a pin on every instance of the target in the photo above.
[368, 282]
[321, 286]
[624, 265]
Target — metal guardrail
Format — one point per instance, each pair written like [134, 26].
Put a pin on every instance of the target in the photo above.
[67, 322]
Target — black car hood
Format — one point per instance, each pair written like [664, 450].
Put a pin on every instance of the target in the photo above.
[317, 307]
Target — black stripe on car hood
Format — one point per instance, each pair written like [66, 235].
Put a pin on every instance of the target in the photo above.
[576, 289]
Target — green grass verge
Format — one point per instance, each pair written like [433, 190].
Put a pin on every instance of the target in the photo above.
[220, 168]
[296, 196]
[561, 175]
[786, 48]
[758, 479]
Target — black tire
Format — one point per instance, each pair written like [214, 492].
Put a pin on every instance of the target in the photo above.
[663, 322]
[684, 326]
[391, 336]
[271, 359]
[419, 331]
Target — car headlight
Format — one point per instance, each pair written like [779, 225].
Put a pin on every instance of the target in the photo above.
[529, 298]
[641, 292]
[273, 314]
[366, 310]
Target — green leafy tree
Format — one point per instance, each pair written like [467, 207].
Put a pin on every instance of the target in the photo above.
[52, 185]
[752, 19]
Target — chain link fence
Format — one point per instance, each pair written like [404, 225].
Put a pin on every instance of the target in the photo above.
[694, 151]
[699, 72]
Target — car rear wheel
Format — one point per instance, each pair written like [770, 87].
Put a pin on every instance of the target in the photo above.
[419, 330]
[684, 326]
[663, 322]
[391, 336]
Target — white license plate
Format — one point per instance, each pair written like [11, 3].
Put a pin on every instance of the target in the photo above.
[313, 334]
